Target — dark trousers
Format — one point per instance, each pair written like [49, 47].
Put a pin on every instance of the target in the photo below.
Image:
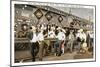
[34, 50]
[57, 47]
[79, 46]
[91, 42]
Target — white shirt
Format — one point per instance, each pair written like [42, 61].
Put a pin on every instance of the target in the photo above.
[81, 36]
[34, 39]
[91, 35]
[84, 36]
[71, 36]
[61, 36]
[40, 36]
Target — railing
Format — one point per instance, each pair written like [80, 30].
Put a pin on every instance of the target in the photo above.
[23, 44]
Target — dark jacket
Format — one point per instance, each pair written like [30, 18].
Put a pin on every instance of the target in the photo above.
[30, 35]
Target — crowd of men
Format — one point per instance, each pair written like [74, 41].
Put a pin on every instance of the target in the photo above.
[64, 37]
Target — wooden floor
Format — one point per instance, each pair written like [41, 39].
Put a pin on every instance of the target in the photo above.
[25, 56]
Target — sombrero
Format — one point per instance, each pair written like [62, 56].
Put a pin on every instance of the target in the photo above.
[63, 30]
[81, 30]
[33, 28]
[59, 28]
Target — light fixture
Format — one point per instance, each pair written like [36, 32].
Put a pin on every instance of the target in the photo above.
[23, 8]
[16, 11]
[25, 5]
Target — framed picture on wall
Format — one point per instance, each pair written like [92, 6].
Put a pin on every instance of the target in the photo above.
[52, 33]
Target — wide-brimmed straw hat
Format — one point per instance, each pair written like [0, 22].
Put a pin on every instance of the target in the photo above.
[63, 30]
[59, 28]
[33, 28]
[80, 30]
